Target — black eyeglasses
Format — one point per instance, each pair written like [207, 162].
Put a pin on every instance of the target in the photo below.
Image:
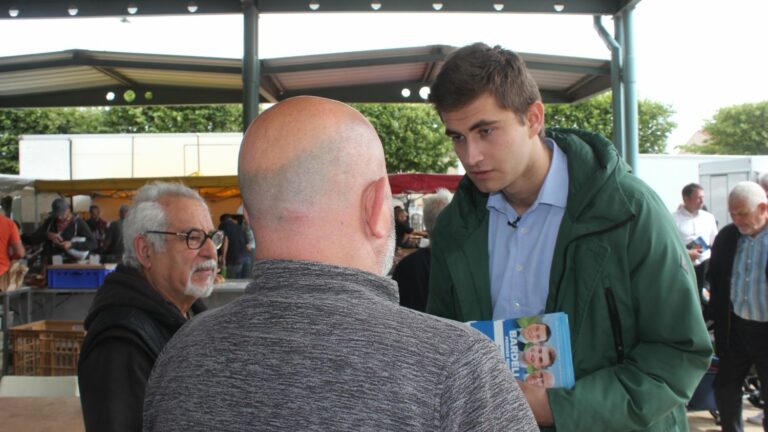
[196, 237]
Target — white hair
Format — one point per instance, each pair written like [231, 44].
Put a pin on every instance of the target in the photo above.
[146, 214]
[749, 192]
[763, 181]
[433, 205]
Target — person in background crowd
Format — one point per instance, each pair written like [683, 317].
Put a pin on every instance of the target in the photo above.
[98, 227]
[697, 228]
[412, 272]
[318, 340]
[404, 231]
[763, 182]
[113, 246]
[738, 277]
[758, 418]
[63, 233]
[234, 253]
[250, 245]
[168, 265]
[554, 221]
[10, 249]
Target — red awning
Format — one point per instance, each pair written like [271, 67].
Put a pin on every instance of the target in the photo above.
[422, 183]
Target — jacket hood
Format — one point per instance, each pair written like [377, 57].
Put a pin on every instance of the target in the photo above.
[127, 287]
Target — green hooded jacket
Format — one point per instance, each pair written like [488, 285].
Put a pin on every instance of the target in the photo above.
[640, 345]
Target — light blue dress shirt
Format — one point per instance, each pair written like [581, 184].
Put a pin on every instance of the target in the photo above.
[521, 258]
[749, 288]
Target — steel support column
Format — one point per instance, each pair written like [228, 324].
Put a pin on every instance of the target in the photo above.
[617, 91]
[630, 90]
[251, 63]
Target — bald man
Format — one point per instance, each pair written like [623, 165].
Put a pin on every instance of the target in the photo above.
[318, 341]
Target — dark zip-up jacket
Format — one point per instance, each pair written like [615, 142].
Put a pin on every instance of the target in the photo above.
[639, 342]
[719, 276]
[77, 227]
[116, 360]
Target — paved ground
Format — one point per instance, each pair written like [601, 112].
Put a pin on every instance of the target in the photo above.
[702, 421]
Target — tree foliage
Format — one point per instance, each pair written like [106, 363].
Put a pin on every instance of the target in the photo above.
[412, 134]
[16, 122]
[413, 137]
[596, 115]
[163, 119]
[739, 129]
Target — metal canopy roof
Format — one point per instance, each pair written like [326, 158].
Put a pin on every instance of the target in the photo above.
[83, 78]
[20, 9]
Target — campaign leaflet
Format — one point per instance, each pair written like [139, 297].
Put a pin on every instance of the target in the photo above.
[698, 243]
[537, 349]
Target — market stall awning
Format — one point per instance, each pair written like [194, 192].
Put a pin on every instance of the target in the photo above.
[422, 183]
[222, 187]
[13, 184]
[213, 187]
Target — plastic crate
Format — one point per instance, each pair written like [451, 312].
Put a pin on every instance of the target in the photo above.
[77, 278]
[46, 348]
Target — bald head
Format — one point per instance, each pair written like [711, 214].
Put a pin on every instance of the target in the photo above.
[305, 165]
[297, 156]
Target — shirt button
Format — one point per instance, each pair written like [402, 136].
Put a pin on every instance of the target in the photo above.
[524, 230]
[517, 305]
[519, 267]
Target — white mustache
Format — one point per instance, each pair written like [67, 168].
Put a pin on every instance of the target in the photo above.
[207, 265]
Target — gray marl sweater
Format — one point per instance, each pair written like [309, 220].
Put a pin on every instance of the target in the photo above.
[312, 347]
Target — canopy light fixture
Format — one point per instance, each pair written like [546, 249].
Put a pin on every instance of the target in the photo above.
[406, 92]
[132, 8]
[424, 92]
[375, 5]
[72, 10]
[13, 11]
[314, 5]
[437, 5]
[192, 7]
[498, 6]
[559, 6]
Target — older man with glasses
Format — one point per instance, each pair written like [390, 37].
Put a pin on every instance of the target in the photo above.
[167, 266]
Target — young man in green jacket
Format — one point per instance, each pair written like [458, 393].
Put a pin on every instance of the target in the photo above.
[556, 222]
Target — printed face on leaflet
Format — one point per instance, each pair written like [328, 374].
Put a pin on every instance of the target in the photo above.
[536, 332]
[539, 356]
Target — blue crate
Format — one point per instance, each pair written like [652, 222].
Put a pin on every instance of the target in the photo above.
[76, 278]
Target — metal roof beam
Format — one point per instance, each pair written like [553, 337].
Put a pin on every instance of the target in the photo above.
[116, 76]
[97, 97]
[79, 60]
[100, 8]
[392, 93]
[343, 64]
[561, 67]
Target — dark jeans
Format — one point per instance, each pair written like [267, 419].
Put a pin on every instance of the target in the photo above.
[236, 270]
[748, 346]
[241, 269]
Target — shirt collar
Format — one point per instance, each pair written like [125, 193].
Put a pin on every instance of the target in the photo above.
[553, 192]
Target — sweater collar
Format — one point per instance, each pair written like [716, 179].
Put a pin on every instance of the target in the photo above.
[281, 274]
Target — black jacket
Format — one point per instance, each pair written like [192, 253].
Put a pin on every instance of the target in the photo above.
[115, 363]
[719, 276]
[77, 228]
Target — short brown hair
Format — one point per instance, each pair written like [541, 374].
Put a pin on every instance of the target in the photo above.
[477, 69]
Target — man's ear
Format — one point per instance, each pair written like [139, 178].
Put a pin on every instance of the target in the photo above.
[376, 205]
[534, 117]
[143, 250]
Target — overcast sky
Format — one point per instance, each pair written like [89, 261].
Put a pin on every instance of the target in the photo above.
[695, 55]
